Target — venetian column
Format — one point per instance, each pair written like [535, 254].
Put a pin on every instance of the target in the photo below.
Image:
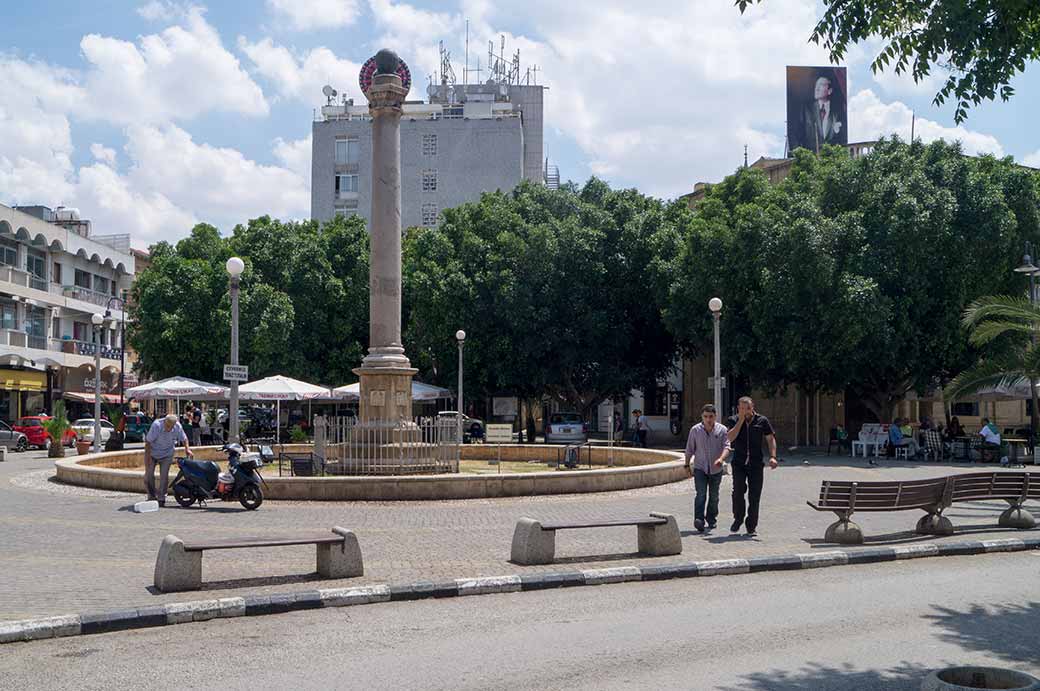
[385, 373]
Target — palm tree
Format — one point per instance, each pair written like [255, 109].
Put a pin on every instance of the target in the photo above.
[56, 427]
[1006, 328]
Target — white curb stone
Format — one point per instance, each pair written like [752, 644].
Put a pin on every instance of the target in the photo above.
[362, 595]
[820, 559]
[488, 584]
[915, 551]
[722, 567]
[620, 574]
[1003, 545]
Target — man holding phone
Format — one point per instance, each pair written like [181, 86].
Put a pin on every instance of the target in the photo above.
[747, 431]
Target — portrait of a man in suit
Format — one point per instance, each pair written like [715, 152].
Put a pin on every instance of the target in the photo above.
[816, 108]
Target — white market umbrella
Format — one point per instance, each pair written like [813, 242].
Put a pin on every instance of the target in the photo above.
[178, 387]
[420, 392]
[279, 388]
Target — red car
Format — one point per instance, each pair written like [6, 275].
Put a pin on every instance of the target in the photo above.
[32, 427]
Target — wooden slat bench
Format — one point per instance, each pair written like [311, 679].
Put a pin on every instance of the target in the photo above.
[534, 542]
[179, 564]
[933, 496]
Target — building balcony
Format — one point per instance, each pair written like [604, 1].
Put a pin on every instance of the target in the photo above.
[87, 295]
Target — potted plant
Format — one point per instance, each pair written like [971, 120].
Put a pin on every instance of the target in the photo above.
[297, 435]
[117, 418]
[56, 427]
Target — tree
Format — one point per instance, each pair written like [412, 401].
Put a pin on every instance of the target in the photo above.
[303, 301]
[983, 44]
[552, 289]
[852, 273]
[56, 428]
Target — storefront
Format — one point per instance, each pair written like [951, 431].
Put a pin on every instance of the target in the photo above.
[21, 392]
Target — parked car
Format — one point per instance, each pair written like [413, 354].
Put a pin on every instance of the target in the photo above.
[32, 427]
[12, 439]
[137, 425]
[472, 428]
[84, 428]
[566, 428]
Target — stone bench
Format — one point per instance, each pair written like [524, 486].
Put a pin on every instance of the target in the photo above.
[534, 542]
[179, 564]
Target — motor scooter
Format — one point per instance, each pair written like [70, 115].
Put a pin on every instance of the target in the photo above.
[198, 481]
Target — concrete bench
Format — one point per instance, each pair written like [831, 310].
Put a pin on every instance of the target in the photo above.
[179, 564]
[534, 542]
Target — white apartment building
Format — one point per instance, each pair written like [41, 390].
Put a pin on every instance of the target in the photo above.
[53, 277]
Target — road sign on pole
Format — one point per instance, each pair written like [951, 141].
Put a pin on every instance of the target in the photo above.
[239, 373]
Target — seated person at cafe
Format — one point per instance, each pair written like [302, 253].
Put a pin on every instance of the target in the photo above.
[898, 439]
[990, 439]
[954, 430]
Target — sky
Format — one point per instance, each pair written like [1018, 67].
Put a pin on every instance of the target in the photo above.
[153, 115]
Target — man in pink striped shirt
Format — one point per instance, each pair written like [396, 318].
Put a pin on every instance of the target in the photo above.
[708, 445]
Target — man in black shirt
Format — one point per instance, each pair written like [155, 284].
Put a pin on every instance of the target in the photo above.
[747, 431]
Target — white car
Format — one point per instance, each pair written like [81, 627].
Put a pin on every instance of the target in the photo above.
[84, 429]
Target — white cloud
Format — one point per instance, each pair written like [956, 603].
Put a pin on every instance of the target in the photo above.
[414, 33]
[304, 15]
[103, 154]
[1032, 160]
[115, 205]
[162, 10]
[870, 118]
[300, 77]
[180, 73]
[296, 156]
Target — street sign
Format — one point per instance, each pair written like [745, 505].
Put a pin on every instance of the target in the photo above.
[499, 434]
[711, 382]
[239, 373]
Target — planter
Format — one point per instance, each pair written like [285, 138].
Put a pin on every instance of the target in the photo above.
[967, 678]
[83, 447]
[115, 442]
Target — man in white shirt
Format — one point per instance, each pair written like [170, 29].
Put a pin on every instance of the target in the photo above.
[159, 444]
[642, 427]
[990, 439]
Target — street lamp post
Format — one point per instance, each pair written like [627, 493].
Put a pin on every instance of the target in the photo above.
[715, 305]
[122, 341]
[98, 321]
[234, 266]
[1029, 268]
[460, 336]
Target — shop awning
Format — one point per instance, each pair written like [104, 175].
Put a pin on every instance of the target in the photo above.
[89, 397]
[22, 380]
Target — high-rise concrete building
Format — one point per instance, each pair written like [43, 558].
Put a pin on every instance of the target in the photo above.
[465, 140]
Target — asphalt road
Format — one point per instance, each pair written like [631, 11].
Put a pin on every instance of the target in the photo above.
[882, 626]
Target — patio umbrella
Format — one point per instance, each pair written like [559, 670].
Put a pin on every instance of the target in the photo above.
[420, 392]
[179, 387]
[279, 388]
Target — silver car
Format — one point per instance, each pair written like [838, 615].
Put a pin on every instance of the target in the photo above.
[566, 428]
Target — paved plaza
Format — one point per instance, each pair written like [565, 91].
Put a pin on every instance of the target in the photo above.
[68, 549]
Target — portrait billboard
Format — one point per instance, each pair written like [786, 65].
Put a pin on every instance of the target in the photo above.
[816, 107]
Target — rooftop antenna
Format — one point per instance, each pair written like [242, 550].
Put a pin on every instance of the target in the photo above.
[745, 155]
[329, 92]
[465, 70]
[447, 72]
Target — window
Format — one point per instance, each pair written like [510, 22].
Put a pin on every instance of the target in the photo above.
[429, 181]
[8, 252]
[56, 327]
[8, 315]
[346, 184]
[82, 279]
[36, 263]
[429, 145]
[966, 409]
[56, 274]
[81, 331]
[429, 215]
[347, 151]
[100, 284]
[655, 399]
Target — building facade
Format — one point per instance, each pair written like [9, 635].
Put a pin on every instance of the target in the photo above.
[466, 140]
[54, 276]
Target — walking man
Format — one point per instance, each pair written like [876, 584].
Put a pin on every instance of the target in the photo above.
[709, 446]
[642, 427]
[159, 444]
[747, 431]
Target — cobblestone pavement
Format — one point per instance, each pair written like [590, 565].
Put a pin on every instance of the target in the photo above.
[67, 549]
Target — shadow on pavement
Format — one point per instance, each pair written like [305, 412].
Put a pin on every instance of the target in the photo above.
[816, 677]
[1006, 631]
[624, 556]
[255, 582]
[909, 536]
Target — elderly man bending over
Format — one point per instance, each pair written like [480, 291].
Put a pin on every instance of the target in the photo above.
[159, 443]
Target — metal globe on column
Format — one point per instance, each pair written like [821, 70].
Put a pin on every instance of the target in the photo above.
[386, 374]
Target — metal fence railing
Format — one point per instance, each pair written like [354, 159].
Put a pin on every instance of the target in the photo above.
[349, 446]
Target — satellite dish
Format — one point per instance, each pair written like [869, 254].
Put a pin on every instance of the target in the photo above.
[329, 92]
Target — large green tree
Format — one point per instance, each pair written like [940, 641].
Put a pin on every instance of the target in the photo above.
[980, 44]
[553, 287]
[853, 273]
[303, 301]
